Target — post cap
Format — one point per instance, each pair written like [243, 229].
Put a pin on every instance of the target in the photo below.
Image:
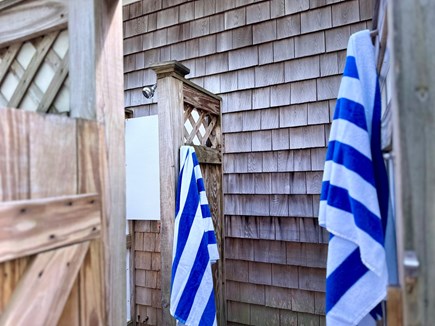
[166, 68]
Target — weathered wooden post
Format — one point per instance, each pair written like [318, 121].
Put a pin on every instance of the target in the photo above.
[414, 154]
[171, 124]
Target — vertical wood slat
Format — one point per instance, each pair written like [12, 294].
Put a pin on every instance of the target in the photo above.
[91, 277]
[212, 175]
[14, 185]
[38, 57]
[414, 152]
[100, 96]
[171, 124]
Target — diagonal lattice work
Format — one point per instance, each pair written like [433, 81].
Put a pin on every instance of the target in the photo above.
[200, 127]
[34, 74]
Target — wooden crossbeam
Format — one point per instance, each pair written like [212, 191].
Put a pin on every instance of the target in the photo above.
[208, 155]
[41, 50]
[32, 226]
[44, 289]
[24, 20]
[200, 99]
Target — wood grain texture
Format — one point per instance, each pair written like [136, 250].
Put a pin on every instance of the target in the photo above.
[37, 297]
[32, 226]
[170, 110]
[92, 275]
[208, 155]
[28, 19]
[212, 175]
[414, 153]
[14, 185]
[41, 50]
[100, 96]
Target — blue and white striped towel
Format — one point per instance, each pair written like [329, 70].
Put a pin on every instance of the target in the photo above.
[195, 248]
[354, 199]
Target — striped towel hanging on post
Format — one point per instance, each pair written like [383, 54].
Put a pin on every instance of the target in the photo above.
[195, 248]
[354, 198]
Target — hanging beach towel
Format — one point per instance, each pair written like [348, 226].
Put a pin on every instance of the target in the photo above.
[195, 248]
[354, 198]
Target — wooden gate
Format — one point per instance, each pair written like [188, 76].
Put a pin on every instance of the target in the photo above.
[62, 223]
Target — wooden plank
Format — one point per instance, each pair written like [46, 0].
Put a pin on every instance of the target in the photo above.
[26, 79]
[14, 185]
[133, 273]
[91, 277]
[29, 19]
[8, 3]
[50, 176]
[32, 226]
[100, 96]
[212, 175]
[394, 307]
[207, 155]
[39, 299]
[200, 100]
[72, 306]
[55, 85]
[414, 154]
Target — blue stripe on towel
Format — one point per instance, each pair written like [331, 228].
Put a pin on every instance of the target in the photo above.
[356, 267]
[350, 158]
[340, 198]
[195, 248]
[354, 112]
[352, 268]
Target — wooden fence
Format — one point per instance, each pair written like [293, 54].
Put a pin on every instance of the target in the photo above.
[188, 115]
[62, 200]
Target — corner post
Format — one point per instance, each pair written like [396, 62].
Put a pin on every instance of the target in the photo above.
[414, 154]
[170, 110]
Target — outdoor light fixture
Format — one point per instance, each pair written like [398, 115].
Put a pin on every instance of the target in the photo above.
[148, 91]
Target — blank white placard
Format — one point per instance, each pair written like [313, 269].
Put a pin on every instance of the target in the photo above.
[142, 168]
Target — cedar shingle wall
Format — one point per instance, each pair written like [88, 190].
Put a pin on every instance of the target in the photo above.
[147, 277]
[276, 64]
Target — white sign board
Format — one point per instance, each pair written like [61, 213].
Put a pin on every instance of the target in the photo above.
[142, 168]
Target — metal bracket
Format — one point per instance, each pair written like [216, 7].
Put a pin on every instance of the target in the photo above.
[412, 269]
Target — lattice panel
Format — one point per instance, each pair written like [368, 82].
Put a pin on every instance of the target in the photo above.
[34, 74]
[200, 127]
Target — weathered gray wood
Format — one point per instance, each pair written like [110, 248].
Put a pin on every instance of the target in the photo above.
[24, 20]
[170, 110]
[207, 155]
[55, 85]
[41, 50]
[63, 265]
[8, 58]
[38, 225]
[414, 152]
[97, 93]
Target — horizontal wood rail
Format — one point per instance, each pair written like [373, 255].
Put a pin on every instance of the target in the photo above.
[199, 99]
[32, 226]
[207, 155]
[42, 16]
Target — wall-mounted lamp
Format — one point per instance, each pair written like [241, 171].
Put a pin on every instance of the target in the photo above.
[148, 91]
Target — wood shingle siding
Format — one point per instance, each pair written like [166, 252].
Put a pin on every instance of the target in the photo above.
[276, 64]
